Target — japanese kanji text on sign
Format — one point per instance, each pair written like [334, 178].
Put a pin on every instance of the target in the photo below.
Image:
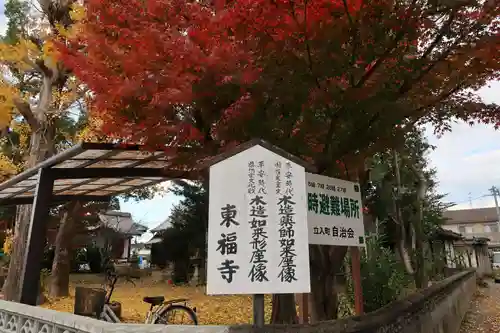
[257, 238]
[334, 211]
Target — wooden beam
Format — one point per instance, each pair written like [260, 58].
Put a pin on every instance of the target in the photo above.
[72, 173]
[30, 272]
[356, 277]
[56, 199]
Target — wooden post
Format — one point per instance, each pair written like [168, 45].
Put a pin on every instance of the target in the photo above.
[258, 310]
[303, 308]
[30, 274]
[356, 276]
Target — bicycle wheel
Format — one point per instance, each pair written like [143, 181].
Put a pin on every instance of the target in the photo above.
[169, 315]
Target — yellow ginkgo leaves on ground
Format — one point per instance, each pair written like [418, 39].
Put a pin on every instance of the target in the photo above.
[211, 310]
[483, 312]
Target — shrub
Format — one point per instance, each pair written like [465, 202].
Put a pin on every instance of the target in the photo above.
[94, 259]
[48, 257]
[383, 277]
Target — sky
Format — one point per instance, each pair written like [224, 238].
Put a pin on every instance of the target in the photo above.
[465, 160]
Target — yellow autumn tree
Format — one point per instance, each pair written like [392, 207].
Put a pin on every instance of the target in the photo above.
[36, 93]
[7, 244]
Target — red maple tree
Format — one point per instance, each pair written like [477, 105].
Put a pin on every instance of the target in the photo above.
[328, 80]
[338, 75]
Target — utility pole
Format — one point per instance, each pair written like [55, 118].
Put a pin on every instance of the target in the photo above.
[495, 192]
[470, 200]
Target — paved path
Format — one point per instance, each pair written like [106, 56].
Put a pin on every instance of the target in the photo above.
[484, 315]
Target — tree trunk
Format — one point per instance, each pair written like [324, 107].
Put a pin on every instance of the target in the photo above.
[61, 266]
[41, 147]
[405, 256]
[284, 310]
[400, 224]
[325, 262]
[420, 274]
[11, 284]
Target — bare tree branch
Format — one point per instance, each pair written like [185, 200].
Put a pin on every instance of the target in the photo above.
[25, 110]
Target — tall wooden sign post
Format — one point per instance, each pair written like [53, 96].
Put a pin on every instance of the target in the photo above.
[257, 229]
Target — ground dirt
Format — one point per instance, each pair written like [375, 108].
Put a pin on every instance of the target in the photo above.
[484, 314]
[211, 310]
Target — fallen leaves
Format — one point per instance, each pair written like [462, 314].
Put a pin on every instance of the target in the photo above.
[483, 316]
[211, 310]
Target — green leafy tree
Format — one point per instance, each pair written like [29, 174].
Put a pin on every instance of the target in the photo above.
[401, 196]
[186, 236]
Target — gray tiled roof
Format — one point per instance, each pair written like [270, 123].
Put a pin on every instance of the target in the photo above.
[122, 222]
[476, 215]
[161, 227]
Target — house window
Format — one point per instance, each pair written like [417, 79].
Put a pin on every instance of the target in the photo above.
[461, 229]
[493, 227]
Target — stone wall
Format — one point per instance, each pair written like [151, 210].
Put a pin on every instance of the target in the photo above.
[437, 309]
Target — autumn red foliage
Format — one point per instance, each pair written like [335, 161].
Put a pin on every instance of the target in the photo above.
[325, 79]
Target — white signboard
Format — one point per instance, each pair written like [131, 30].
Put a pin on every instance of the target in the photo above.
[257, 229]
[334, 211]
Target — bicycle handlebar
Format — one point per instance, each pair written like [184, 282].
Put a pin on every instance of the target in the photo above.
[112, 277]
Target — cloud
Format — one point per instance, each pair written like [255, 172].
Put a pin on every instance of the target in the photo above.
[467, 159]
[3, 19]
[475, 203]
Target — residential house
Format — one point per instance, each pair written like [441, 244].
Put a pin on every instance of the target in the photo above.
[118, 228]
[459, 252]
[475, 223]
[155, 244]
[113, 230]
[441, 246]
[144, 249]
[473, 252]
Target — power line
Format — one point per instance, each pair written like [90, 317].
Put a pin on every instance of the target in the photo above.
[471, 199]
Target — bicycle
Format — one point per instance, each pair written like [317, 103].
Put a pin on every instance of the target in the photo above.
[160, 311]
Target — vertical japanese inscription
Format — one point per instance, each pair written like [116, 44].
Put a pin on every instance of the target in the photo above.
[277, 173]
[258, 222]
[286, 213]
[227, 244]
[251, 177]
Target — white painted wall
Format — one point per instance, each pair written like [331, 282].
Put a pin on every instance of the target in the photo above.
[451, 227]
[473, 258]
[450, 254]
[126, 246]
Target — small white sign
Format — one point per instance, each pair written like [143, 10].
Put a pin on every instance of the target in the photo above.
[257, 229]
[334, 211]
